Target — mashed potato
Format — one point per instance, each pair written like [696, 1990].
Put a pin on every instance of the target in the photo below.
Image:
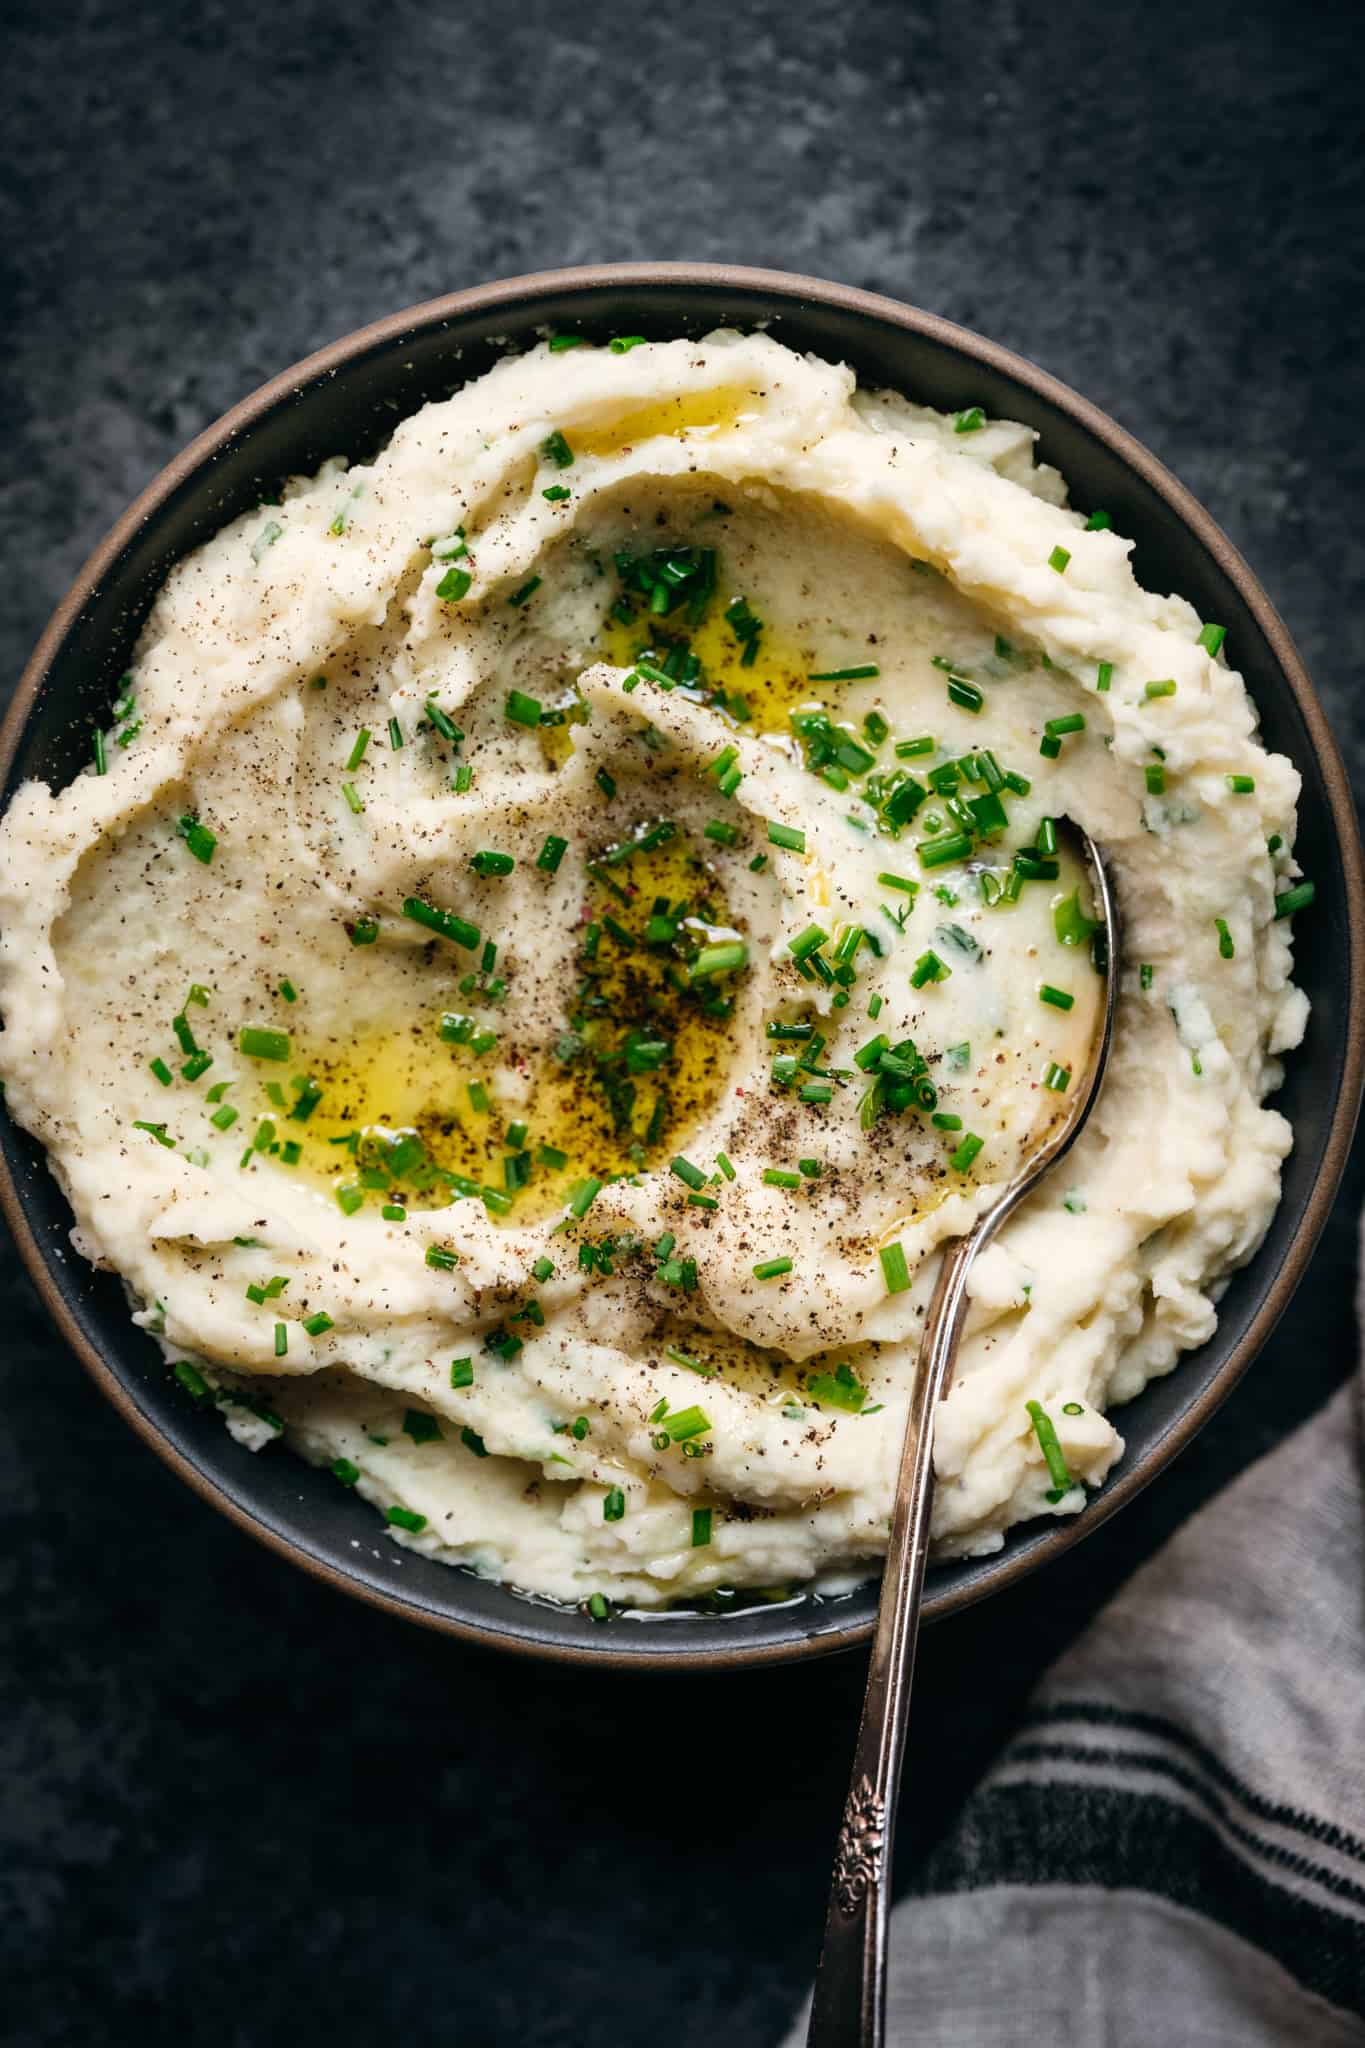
[567, 920]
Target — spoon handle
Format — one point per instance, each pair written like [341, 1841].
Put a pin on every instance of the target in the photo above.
[849, 2009]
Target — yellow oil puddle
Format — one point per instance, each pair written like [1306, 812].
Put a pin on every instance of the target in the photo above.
[771, 686]
[640, 1058]
[688, 415]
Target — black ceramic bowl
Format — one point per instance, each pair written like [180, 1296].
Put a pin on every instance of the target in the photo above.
[346, 400]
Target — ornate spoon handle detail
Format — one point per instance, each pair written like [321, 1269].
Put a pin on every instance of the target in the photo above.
[850, 1989]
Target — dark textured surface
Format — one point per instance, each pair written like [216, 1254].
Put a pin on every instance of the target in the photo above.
[236, 1809]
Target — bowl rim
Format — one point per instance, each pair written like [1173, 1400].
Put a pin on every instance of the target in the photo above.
[784, 287]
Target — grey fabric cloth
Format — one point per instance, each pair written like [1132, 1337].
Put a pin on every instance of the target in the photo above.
[1172, 1848]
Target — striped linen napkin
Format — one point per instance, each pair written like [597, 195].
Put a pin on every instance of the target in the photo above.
[1172, 1847]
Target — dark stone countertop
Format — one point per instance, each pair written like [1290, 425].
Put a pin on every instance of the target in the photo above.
[236, 1808]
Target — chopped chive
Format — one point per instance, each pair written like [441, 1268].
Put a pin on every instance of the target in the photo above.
[345, 1471]
[1226, 948]
[969, 421]
[1154, 774]
[722, 833]
[938, 853]
[556, 449]
[1057, 997]
[621, 344]
[224, 1117]
[846, 675]
[944, 1120]
[960, 691]
[523, 710]
[1165, 688]
[1069, 922]
[464, 778]
[1241, 785]
[191, 1379]
[701, 1527]
[454, 585]
[613, 1504]
[349, 1199]
[683, 1426]
[525, 591]
[966, 1152]
[197, 837]
[1058, 560]
[929, 968]
[162, 1072]
[1294, 899]
[895, 1271]
[281, 1339]
[472, 1441]
[1146, 973]
[789, 836]
[444, 725]
[606, 783]
[1211, 638]
[557, 493]
[772, 1269]
[421, 1427]
[1104, 675]
[817, 1091]
[1057, 1469]
[395, 734]
[552, 853]
[444, 922]
[317, 1325]
[1073, 721]
[685, 1171]
[807, 942]
[726, 958]
[364, 931]
[561, 341]
[777, 1177]
[1058, 1079]
[394, 1212]
[440, 1259]
[1098, 522]
[488, 864]
[406, 1518]
[726, 1165]
[260, 1044]
[357, 753]
[97, 746]
[583, 1196]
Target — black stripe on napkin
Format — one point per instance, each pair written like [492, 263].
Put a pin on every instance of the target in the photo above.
[1101, 1715]
[1114, 1838]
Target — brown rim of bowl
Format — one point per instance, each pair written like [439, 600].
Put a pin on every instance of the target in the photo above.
[783, 285]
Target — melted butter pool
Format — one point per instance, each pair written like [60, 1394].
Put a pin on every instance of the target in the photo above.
[400, 1110]
[694, 415]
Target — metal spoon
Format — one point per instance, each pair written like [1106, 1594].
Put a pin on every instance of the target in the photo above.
[849, 2009]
